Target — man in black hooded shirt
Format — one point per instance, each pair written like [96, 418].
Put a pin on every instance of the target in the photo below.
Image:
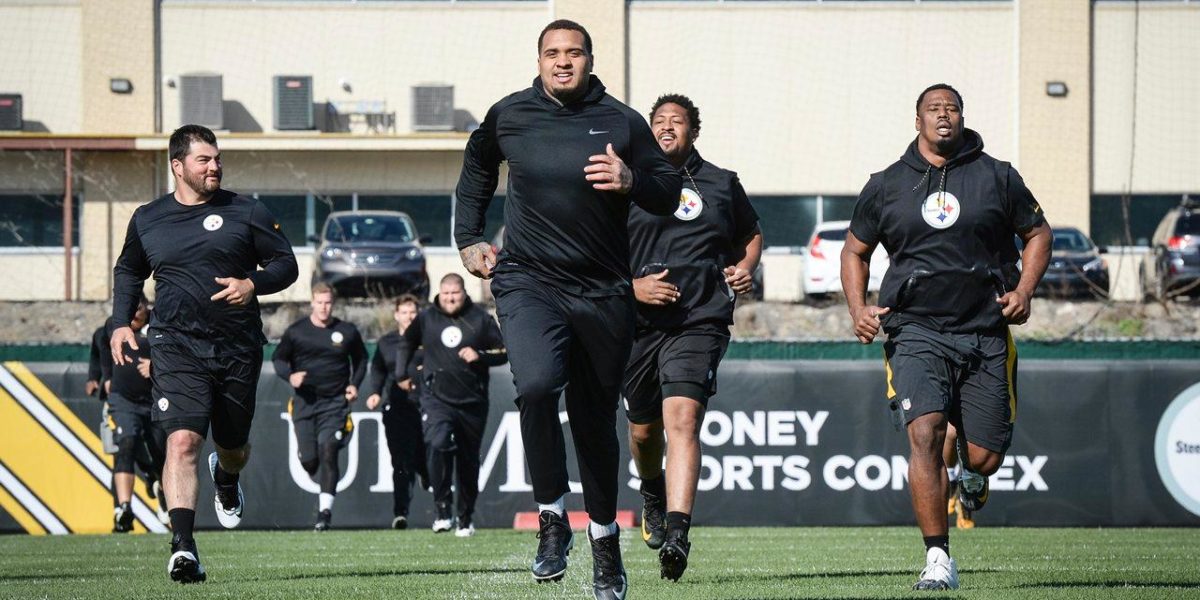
[948, 214]
[461, 341]
[576, 158]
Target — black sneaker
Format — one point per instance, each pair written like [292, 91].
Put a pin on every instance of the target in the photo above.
[123, 518]
[972, 491]
[423, 481]
[324, 518]
[608, 572]
[654, 521]
[554, 546]
[673, 557]
[184, 565]
[400, 522]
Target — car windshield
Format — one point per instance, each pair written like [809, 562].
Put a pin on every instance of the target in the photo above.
[368, 228]
[1071, 241]
[1188, 224]
[833, 235]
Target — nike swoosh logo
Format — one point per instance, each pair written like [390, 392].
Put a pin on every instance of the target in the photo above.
[594, 132]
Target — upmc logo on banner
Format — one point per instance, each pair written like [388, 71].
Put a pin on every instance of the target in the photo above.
[1097, 443]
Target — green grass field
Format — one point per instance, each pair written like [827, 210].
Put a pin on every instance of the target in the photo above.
[726, 563]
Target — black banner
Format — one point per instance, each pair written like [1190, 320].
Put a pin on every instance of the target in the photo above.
[1097, 443]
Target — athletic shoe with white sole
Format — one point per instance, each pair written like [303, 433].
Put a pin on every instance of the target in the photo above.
[324, 520]
[940, 572]
[465, 529]
[184, 565]
[228, 501]
[400, 522]
[444, 522]
[555, 540]
[123, 518]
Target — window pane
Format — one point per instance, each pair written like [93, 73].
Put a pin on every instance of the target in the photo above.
[1145, 212]
[786, 220]
[35, 220]
[290, 212]
[430, 213]
[838, 208]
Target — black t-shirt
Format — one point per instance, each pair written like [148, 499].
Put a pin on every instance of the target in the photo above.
[949, 234]
[186, 248]
[127, 381]
[333, 357]
[557, 226]
[706, 233]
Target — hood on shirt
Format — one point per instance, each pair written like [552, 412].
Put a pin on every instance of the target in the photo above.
[971, 148]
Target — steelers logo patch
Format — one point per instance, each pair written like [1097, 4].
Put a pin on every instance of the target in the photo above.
[690, 205]
[163, 404]
[337, 338]
[451, 337]
[941, 210]
[213, 222]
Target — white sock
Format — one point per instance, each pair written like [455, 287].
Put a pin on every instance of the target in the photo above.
[325, 501]
[557, 507]
[952, 473]
[598, 531]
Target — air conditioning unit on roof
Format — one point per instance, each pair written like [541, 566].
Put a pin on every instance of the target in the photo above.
[433, 107]
[200, 100]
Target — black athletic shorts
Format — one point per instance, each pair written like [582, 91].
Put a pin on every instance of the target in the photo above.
[127, 418]
[318, 422]
[191, 392]
[667, 364]
[972, 378]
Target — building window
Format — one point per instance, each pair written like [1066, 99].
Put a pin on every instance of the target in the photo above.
[35, 220]
[788, 221]
[1108, 217]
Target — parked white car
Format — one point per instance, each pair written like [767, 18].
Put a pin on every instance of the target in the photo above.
[823, 261]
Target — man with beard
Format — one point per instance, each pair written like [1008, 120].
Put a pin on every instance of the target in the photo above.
[204, 246]
[688, 267]
[577, 159]
[947, 213]
[324, 359]
[401, 410]
[461, 342]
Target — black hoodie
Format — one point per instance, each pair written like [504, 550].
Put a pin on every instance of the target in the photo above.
[446, 376]
[558, 228]
[950, 233]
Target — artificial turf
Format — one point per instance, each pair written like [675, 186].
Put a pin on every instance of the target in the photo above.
[827, 562]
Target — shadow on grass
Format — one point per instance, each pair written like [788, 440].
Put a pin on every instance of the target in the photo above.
[742, 577]
[1112, 584]
[390, 573]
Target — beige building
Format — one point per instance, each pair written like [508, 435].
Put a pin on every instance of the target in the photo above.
[803, 98]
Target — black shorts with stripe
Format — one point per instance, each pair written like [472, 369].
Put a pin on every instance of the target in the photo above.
[317, 422]
[665, 364]
[971, 377]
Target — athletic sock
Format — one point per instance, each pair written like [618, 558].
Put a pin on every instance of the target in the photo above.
[182, 522]
[655, 488]
[679, 521]
[558, 507]
[938, 541]
[224, 478]
[599, 531]
[953, 473]
[325, 501]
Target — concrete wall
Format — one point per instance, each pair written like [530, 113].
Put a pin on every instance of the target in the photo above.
[807, 98]
[1165, 148]
[41, 46]
[486, 50]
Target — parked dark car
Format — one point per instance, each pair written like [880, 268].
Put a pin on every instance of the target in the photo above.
[371, 253]
[1172, 267]
[1076, 267]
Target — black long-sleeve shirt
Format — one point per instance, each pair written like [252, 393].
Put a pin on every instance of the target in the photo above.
[333, 357]
[446, 376]
[127, 381]
[557, 226]
[186, 248]
[383, 374]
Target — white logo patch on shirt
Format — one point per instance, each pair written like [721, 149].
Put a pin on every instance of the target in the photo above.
[213, 222]
[941, 210]
[690, 205]
[163, 404]
[451, 337]
[337, 338]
